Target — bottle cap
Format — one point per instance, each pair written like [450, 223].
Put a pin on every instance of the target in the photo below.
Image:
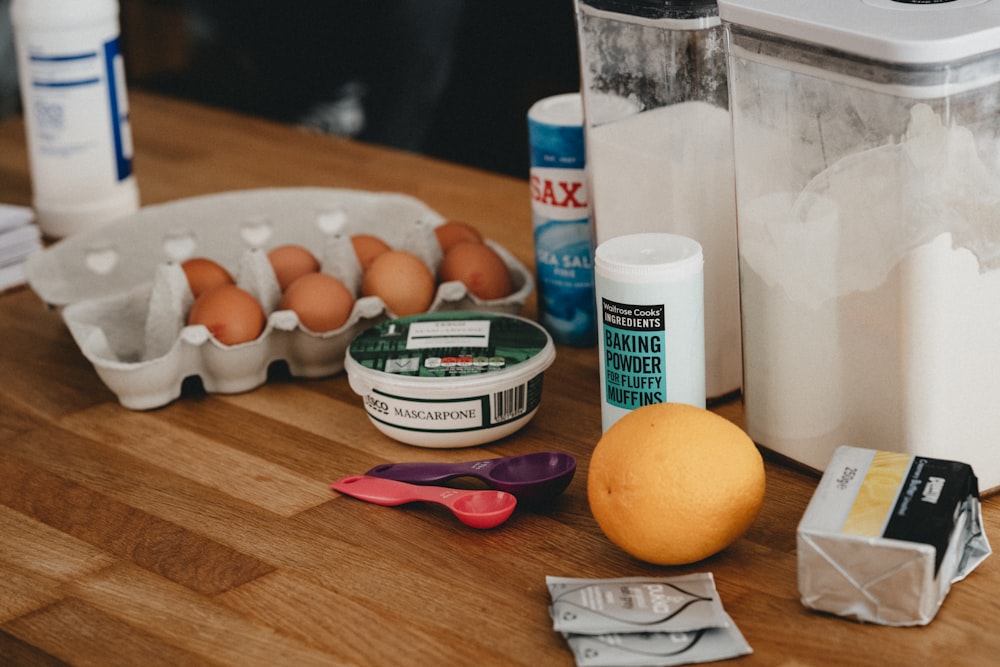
[649, 257]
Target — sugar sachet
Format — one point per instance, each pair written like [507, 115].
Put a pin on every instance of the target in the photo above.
[635, 604]
[658, 649]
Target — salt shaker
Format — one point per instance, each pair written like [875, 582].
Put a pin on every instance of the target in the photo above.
[560, 208]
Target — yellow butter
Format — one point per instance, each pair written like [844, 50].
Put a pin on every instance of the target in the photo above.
[886, 534]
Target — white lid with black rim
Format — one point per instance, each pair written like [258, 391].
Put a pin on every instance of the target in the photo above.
[916, 32]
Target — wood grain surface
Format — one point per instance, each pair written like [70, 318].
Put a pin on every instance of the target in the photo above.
[205, 533]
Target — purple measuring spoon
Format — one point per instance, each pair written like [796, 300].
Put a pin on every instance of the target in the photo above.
[531, 477]
[479, 509]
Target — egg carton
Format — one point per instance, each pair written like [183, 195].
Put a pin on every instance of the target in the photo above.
[125, 298]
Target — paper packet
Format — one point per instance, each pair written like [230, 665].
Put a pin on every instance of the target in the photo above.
[644, 621]
[635, 604]
[658, 649]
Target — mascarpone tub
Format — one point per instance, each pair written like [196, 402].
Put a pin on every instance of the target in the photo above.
[450, 379]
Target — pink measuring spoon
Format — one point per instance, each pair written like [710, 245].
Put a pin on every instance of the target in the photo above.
[477, 508]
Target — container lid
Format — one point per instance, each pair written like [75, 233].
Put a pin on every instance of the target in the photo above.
[898, 31]
[561, 110]
[445, 351]
[657, 9]
[649, 257]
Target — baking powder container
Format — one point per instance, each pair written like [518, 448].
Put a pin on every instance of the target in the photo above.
[650, 296]
[450, 379]
[560, 207]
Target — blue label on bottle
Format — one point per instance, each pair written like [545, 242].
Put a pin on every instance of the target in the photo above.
[66, 87]
[563, 241]
[120, 131]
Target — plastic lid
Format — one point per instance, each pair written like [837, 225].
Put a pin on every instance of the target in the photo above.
[657, 9]
[442, 353]
[899, 31]
[565, 110]
[649, 257]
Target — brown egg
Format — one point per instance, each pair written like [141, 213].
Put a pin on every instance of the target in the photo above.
[291, 261]
[453, 231]
[402, 281]
[367, 247]
[231, 314]
[322, 302]
[203, 274]
[478, 266]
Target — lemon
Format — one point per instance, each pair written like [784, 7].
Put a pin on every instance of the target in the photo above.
[673, 484]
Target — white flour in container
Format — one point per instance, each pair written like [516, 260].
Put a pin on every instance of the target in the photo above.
[671, 170]
[871, 306]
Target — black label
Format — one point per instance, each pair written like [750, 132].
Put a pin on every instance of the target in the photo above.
[930, 501]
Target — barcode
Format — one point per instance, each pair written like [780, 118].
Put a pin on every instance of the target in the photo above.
[509, 403]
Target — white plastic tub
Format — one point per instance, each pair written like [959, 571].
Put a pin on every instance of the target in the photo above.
[450, 379]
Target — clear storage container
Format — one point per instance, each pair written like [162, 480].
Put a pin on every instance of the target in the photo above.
[659, 145]
[868, 199]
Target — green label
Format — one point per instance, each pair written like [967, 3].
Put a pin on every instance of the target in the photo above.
[634, 342]
[448, 344]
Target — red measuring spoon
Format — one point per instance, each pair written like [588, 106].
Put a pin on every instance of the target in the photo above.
[476, 508]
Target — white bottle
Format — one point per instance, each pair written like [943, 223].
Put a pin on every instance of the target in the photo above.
[76, 112]
[650, 294]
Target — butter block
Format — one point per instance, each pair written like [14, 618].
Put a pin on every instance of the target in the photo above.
[886, 534]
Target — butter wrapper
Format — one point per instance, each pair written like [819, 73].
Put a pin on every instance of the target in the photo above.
[886, 534]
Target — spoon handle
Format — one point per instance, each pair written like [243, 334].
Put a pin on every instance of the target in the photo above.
[432, 473]
[390, 492]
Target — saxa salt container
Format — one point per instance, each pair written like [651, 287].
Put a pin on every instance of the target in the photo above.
[866, 137]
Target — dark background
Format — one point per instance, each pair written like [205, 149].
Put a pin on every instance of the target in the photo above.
[504, 57]
[509, 56]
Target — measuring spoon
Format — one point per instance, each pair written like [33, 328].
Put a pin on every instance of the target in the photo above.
[531, 477]
[479, 509]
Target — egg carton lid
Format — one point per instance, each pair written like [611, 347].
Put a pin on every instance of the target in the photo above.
[116, 257]
[898, 31]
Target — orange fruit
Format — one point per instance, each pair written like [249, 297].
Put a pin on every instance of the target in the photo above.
[672, 484]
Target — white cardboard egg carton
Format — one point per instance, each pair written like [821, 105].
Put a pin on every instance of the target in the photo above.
[125, 298]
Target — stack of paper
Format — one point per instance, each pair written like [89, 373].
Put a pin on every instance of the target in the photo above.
[19, 237]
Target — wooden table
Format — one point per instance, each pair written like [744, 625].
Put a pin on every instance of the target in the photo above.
[205, 532]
